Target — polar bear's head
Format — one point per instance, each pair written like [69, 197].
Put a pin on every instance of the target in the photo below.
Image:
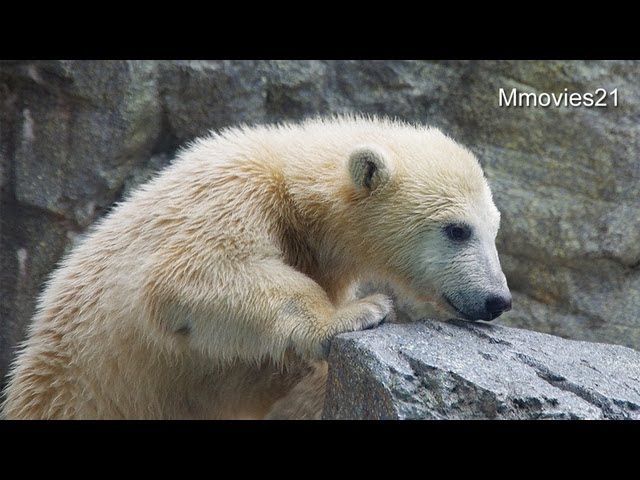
[423, 210]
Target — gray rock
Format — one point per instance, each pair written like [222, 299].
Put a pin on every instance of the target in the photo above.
[200, 96]
[83, 126]
[462, 370]
[295, 90]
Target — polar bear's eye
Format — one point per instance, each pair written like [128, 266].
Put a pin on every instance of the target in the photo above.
[458, 232]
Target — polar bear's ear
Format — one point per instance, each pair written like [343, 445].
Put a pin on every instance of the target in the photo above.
[369, 168]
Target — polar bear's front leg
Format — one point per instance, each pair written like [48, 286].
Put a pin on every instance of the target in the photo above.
[259, 310]
[311, 337]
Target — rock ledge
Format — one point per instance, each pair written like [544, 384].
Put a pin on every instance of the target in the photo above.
[462, 370]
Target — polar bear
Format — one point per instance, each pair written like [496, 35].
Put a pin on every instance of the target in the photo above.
[214, 290]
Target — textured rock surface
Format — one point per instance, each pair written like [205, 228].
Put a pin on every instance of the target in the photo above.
[76, 135]
[460, 370]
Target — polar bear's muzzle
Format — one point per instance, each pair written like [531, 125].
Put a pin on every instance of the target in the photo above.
[491, 308]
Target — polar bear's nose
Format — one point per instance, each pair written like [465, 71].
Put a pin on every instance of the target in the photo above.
[496, 305]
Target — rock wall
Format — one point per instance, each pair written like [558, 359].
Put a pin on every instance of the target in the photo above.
[76, 135]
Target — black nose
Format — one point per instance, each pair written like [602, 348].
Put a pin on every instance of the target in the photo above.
[497, 305]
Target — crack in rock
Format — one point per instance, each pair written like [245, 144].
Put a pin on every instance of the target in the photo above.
[448, 394]
[610, 408]
[476, 330]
